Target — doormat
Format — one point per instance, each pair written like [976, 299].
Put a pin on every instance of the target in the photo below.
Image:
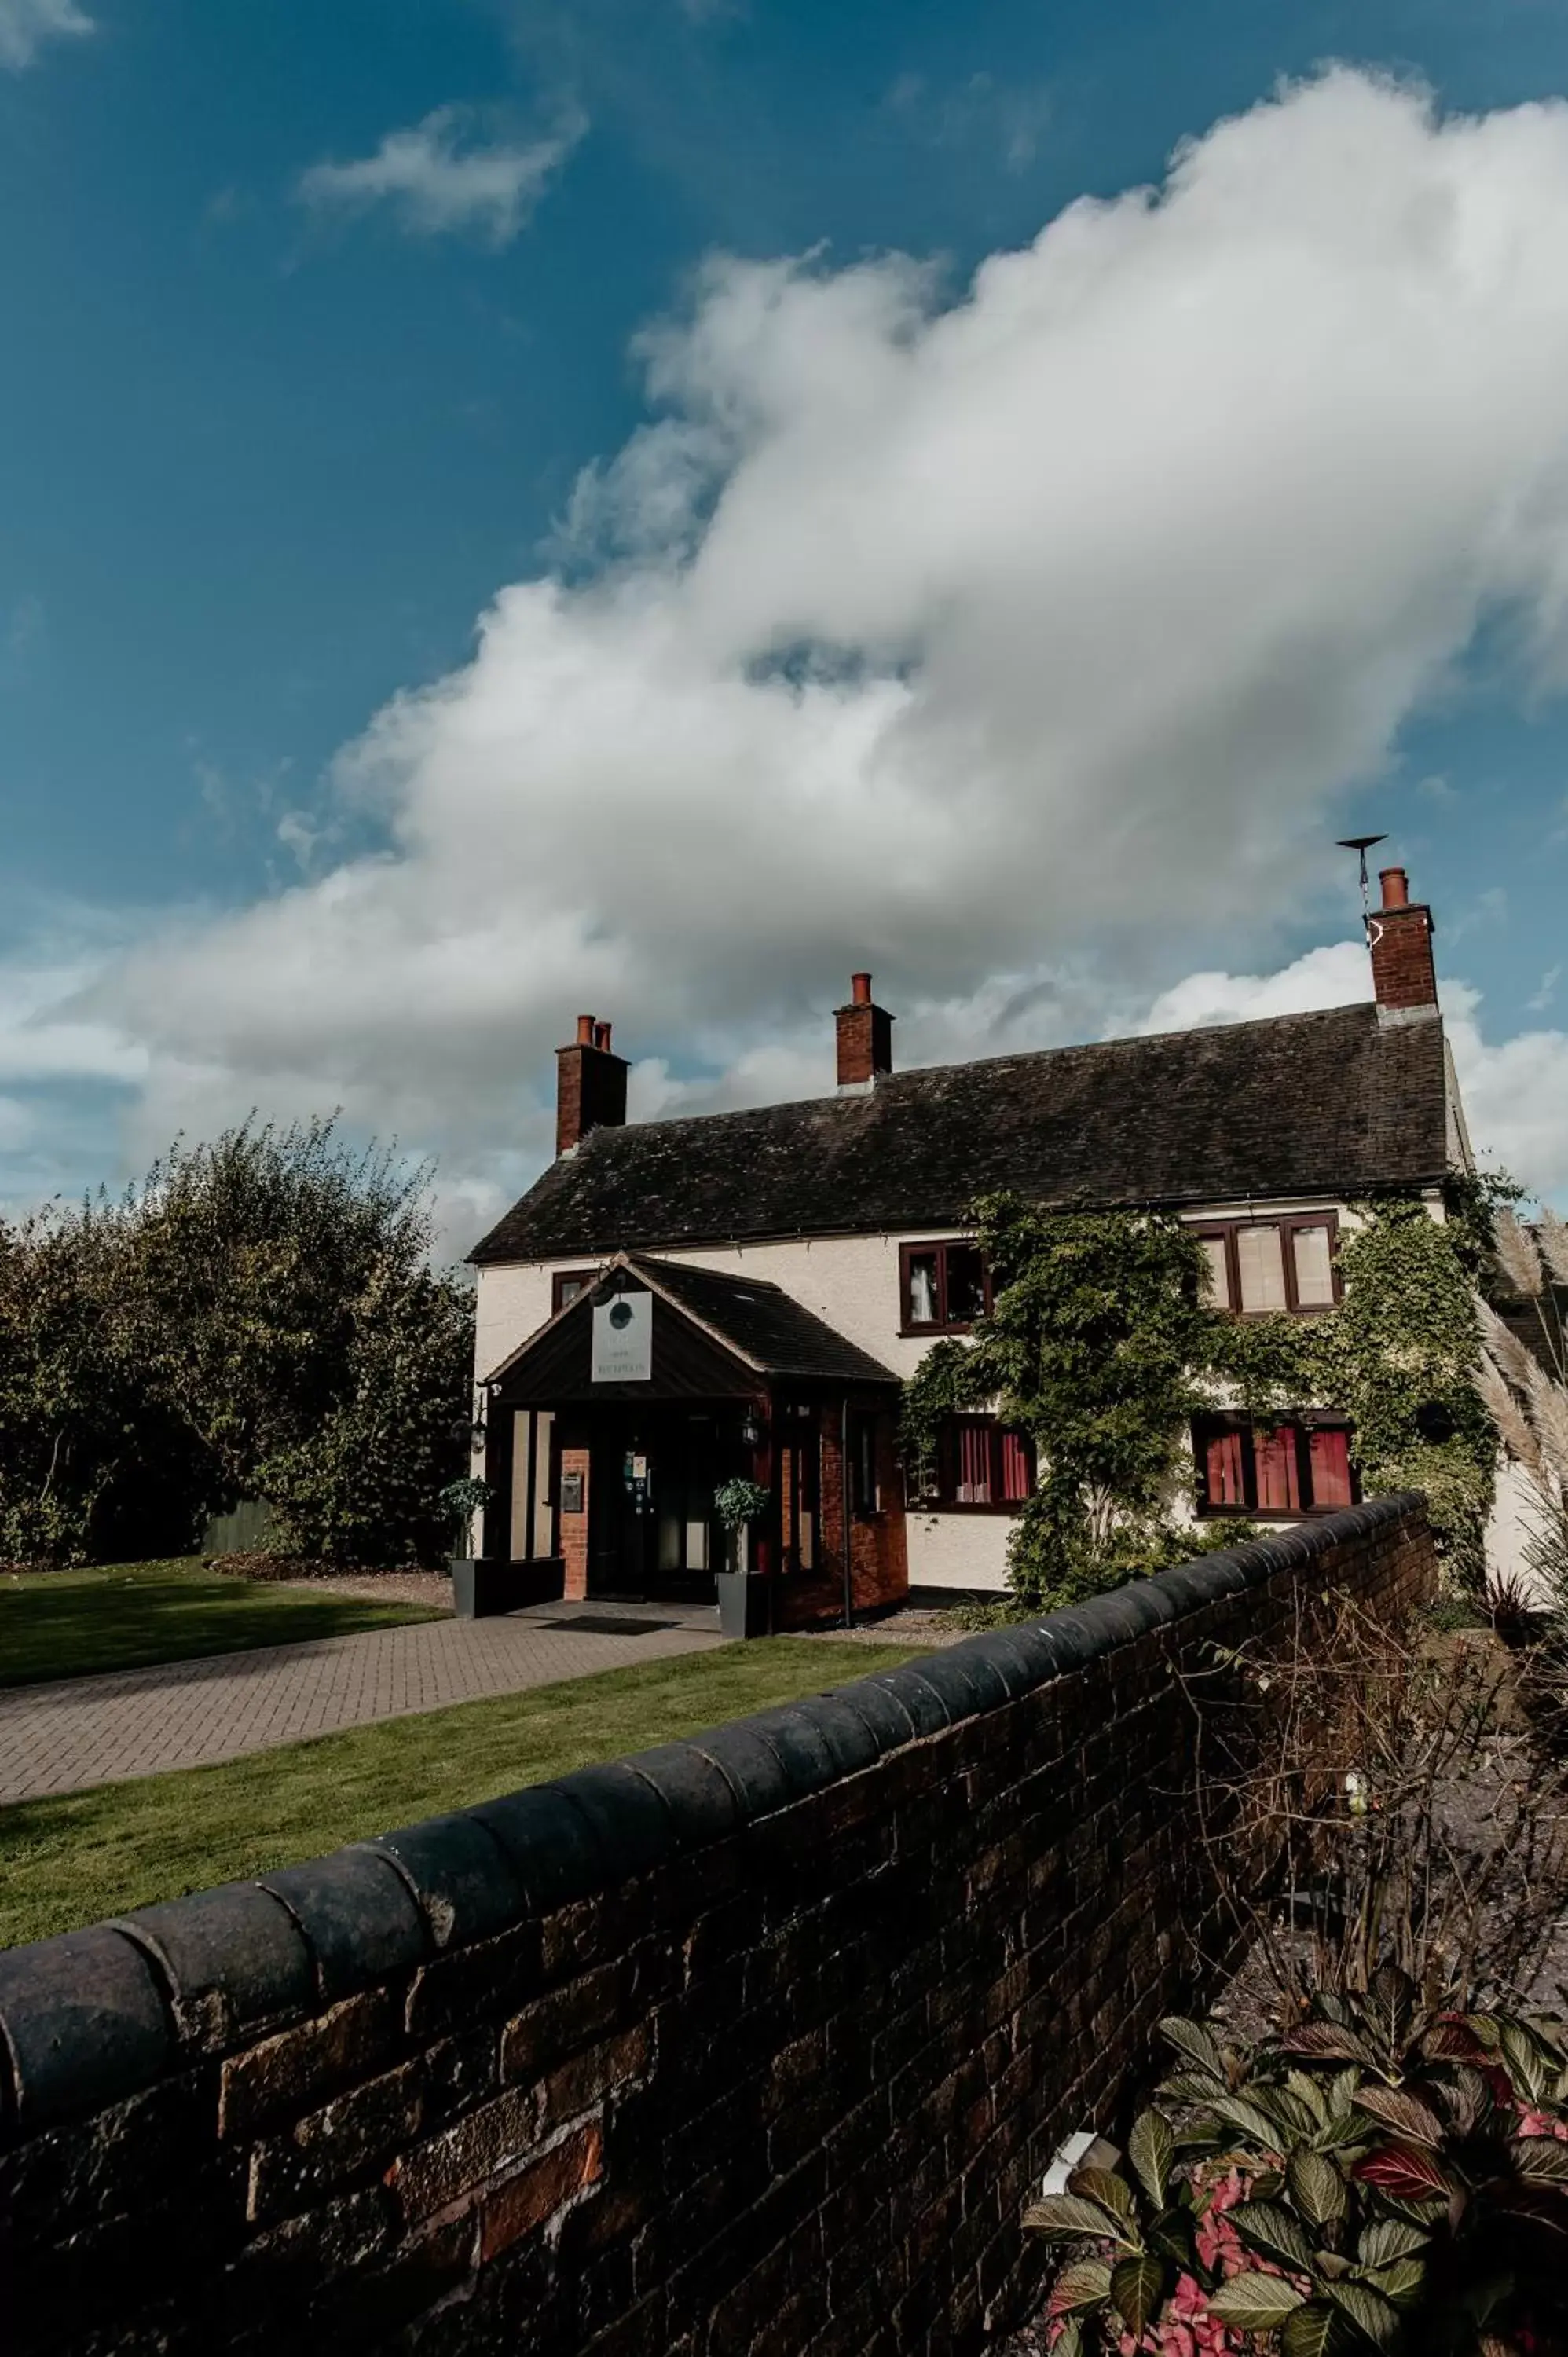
[608, 1624]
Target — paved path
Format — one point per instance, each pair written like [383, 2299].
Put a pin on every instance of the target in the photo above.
[58, 1737]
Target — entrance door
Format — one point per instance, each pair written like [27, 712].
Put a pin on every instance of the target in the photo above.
[652, 1530]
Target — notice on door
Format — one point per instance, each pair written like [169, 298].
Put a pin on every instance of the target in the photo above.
[623, 1340]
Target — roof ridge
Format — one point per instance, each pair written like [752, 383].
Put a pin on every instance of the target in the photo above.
[891, 1081]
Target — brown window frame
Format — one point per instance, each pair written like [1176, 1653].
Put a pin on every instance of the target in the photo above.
[1287, 1222]
[561, 1278]
[943, 1500]
[1303, 1423]
[942, 1324]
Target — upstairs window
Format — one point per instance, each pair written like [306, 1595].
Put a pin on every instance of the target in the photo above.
[944, 1287]
[1258, 1265]
[1294, 1466]
[979, 1463]
[567, 1284]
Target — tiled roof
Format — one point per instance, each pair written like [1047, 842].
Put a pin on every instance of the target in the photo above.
[1332, 1102]
[762, 1323]
[753, 1320]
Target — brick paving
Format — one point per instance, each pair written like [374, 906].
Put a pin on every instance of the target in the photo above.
[61, 1736]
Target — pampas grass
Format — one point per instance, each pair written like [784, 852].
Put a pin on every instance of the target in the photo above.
[1516, 1255]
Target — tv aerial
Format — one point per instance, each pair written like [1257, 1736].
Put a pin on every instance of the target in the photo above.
[1362, 843]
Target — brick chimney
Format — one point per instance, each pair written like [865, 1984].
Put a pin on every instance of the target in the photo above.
[1404, 979]
[864, 1037]
[590, 1085]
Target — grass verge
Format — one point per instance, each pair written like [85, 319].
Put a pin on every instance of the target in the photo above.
[75, 1858]
[124, 1615]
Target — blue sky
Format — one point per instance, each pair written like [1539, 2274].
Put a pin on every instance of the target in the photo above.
[286, 407]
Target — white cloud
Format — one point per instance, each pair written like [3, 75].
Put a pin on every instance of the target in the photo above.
[1014, 644]
[26, 25]
[438, 178]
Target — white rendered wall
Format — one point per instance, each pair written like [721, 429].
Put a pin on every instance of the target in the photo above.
[1510, 1527]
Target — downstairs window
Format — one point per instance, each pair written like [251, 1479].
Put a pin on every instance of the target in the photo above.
[1287, 1466]
[979, 1464]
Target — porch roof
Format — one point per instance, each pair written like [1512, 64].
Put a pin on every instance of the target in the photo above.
[758, 1327]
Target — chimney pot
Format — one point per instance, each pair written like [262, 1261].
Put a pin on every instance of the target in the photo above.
[860, 989]
[585, 1030]
[1396, 889]
[601, 1036]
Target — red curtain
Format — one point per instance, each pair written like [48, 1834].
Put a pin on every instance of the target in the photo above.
[1015, 1482]
[974, 1464]
[1223, 1471]
[1329, 1453]
[1278, 1475]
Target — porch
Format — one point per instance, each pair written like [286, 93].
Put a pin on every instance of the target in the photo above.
[610, 1434]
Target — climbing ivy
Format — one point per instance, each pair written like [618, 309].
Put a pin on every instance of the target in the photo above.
[1101, 1345]
[1096, 1331]
[1397, 1359]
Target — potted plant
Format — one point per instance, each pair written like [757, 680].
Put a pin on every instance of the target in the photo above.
[743, 1598]
[472, 1579]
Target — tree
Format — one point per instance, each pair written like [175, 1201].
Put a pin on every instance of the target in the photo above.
[257, 1317]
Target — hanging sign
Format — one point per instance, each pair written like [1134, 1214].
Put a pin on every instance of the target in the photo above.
[623, 1340]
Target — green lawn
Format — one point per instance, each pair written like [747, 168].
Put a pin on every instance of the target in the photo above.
[75, 1859]
[64, 1624]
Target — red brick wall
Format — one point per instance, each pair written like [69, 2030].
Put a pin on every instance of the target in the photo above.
[1403, 973]
[879, 1563]
[573, 1528]
[752, 2046]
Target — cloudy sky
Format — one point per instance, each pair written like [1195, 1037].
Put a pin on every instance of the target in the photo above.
[643, 506]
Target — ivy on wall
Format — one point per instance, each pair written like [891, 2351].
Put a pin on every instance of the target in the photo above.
[1100, 1344]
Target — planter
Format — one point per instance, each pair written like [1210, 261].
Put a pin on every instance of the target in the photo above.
[745, 1603]
[482, 1588]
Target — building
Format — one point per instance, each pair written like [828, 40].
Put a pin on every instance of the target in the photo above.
[676, 1304]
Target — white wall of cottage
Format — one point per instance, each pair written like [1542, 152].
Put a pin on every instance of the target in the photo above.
[852, 1283]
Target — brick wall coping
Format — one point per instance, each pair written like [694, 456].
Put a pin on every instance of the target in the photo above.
[91, 2017]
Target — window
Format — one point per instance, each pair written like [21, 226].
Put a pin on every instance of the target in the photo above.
[1299, 1466]
[1256, 1266]
[567, 1284]
[980, 1463]
[944, 1286]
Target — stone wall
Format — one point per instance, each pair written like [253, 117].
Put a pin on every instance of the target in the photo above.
[756, 2043]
